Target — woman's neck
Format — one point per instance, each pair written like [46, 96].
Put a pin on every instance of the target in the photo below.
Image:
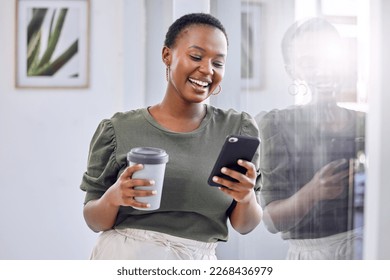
[323, 96]
[182, 110]
[177, 117]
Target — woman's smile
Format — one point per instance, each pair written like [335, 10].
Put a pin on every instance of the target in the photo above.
[198, 85]
[196, 63]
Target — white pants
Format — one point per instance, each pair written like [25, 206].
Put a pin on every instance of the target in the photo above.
[134, 244]
[341, 246]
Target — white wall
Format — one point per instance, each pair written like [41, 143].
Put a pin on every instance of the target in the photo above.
[134, 54]
[44, 138]
[276, 17]
[377, 222]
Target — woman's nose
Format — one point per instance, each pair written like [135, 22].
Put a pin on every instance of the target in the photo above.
[207, 68]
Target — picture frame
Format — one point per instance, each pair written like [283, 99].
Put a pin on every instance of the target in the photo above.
[52, 44]
[251, 48]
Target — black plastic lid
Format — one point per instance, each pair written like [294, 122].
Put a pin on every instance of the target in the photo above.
[147, 155]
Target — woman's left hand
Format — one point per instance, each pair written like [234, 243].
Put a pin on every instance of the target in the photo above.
[241, 191]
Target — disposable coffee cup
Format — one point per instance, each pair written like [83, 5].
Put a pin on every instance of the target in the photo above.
[154, 161]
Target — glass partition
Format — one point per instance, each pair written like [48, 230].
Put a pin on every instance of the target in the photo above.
[313, 148]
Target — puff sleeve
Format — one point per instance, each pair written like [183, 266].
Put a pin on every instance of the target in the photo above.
[102, 166]
[275, 160]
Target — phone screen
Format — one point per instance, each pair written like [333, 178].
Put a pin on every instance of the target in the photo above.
[234, 148]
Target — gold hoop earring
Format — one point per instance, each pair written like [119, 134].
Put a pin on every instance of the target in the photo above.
[219, 90]
[167, 73]
[297, 88]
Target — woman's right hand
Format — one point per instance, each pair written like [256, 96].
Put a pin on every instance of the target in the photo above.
[122, 193]
[328, 182]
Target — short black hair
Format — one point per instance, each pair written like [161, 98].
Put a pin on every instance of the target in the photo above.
[317, 25]
[191, 19]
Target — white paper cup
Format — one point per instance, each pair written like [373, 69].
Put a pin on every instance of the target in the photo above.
[154, 161]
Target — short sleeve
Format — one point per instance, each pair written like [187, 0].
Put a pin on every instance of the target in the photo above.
[249, 127]
[274, 159]
[102, 167]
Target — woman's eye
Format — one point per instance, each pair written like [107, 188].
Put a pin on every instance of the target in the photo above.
[218, 64]
[195, 57]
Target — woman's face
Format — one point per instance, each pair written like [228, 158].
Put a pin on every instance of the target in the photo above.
[197, 62]
[317, 59]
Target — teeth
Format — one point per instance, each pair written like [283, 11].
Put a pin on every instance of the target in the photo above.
[201, 83]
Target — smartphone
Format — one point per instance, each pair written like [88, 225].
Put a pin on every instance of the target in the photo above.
[234, 148]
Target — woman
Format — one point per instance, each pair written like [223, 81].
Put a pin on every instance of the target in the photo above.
[306, 149]
[193, 216]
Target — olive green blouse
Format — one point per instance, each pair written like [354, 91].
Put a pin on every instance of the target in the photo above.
[296, 143]
[190, 208]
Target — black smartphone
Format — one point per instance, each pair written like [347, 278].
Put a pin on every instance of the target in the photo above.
[234, 148]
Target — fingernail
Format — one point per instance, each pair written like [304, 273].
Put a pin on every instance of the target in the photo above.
[223, 170]
[148, 205]
[215, 179]
[152, 182]
[154, 192]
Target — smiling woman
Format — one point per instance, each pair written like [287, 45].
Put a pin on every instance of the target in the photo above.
[193, 216]
[206, 56]
[197, 62]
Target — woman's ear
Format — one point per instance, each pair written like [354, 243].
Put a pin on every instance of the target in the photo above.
[289, 70]
[292, 72]
[166, 55]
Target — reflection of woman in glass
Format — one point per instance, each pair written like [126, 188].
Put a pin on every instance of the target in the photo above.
[306, 150]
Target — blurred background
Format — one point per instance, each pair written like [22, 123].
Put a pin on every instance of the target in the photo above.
[45, 132]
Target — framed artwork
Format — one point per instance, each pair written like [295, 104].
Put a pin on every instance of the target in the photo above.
[250, 45]
[52, 43]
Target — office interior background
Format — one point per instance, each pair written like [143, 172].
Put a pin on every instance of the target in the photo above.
[45, 132]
